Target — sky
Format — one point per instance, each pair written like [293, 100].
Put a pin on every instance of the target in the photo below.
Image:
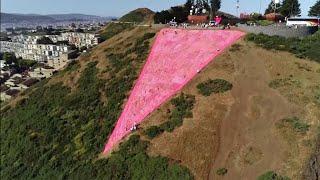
[121, 7]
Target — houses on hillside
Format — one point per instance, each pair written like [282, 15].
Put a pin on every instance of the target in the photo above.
[53, 54]
[13, 83]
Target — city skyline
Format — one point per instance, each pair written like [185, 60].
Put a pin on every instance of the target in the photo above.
[119, 8]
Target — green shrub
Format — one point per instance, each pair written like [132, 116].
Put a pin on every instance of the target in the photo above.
[271, 175]
[214, 86]
[153, 131]
[183, 106]
[170, 125]
[296, 124]
[222, 171]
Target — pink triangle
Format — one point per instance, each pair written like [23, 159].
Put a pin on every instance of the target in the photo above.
[175, 58]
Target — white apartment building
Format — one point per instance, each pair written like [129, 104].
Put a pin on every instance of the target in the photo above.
[81, 39]
[78, 39]
[37, 52]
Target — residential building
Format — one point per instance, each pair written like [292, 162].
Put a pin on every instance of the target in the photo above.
[37, 52]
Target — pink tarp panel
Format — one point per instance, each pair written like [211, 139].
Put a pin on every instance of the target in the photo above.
[175, 58]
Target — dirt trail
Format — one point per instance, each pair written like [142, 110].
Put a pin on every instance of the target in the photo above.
[247, 141]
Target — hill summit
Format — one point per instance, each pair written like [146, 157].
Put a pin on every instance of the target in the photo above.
[140, 15]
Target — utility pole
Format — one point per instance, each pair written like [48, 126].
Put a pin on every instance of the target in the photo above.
[260, 7]
[210, 11]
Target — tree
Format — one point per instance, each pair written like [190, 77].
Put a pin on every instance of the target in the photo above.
[9, 58]
[215, 6]
[271, 7]
[188, 5]
[315, 9]
[163, 17]
[290, 8]
[179, 13]
[44, 40]
[24, 64]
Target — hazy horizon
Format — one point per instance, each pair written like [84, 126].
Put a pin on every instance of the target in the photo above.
[118, 8]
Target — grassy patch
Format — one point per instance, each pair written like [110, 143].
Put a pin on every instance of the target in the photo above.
[295, 123]
[222, 171]
[307, 47]
[72, 66]
[277, 83]
[214, 86]
[304, 67]
[271, 175]
[265, 22]
[252, 155]
[113, 29]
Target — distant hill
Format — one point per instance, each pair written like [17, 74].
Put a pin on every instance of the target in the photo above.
[36, 18]
[139, 15]
[70, 17]
[17, 18]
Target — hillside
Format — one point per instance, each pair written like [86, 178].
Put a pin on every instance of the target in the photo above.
[252, 112]
[251, 129]
[16, 18]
